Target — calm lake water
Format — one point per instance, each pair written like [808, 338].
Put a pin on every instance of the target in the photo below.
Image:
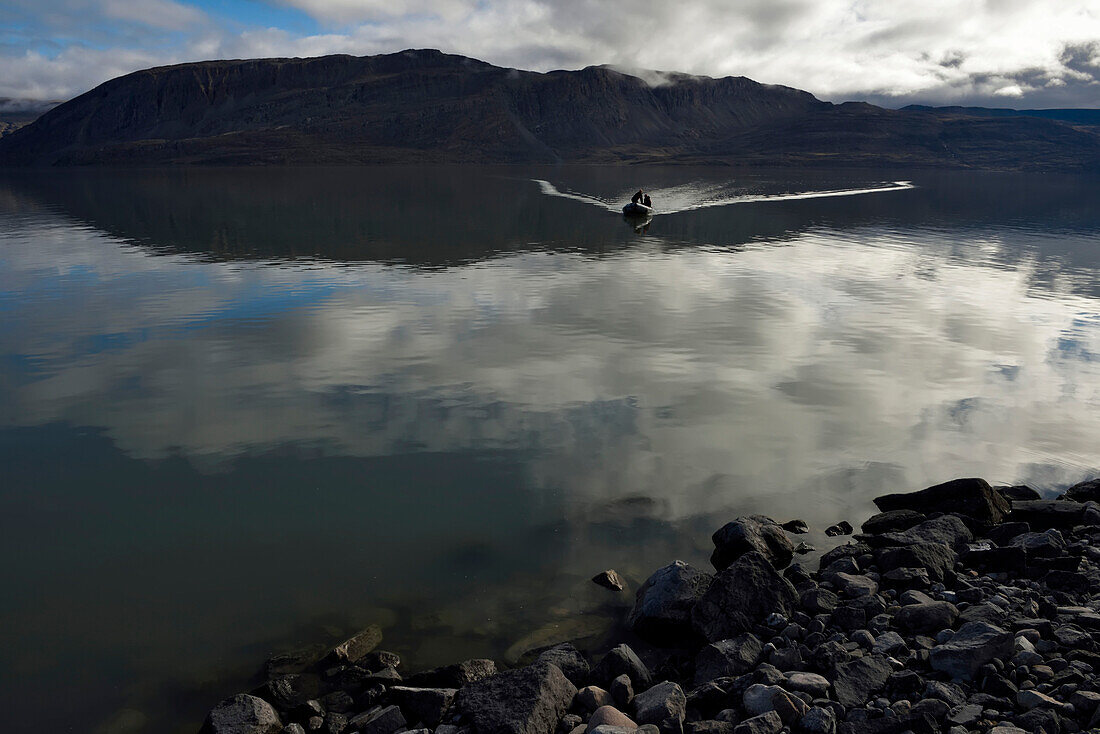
[244, 410]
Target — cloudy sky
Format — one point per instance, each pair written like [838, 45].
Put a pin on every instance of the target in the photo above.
[1009, 53]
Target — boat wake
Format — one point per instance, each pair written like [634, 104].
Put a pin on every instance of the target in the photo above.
[689, 197]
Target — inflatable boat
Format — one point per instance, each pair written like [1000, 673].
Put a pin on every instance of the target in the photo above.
[637, 210]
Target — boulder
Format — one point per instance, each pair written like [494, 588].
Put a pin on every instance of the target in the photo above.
[569, 660]
[811, 683]
[855, 681]
[928, 617]
[662, 609]
[798, 527]
[971, 647]
[423, 704]
[949, 530]
[663, 705]
[768, 723]
[1019, 492]
[1046, 514]
[622, 660]
[728, 658]
[818, 720]
[383, 720]
[892, 521]
[841, 528]
[936, 558]
[530, 700]
[818, 601]
[972, 497]
[453, 676]
[854, 584]
[355, 647]
[242, 714]
[1082, 492]
[754, 533]
[741, 596]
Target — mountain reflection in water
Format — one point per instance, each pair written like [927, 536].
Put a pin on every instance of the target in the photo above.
[243, 409]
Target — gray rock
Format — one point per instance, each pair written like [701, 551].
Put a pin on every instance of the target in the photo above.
[609, 579]
[798, 527]
[529, 700]
[381, 720]
[811, 683]
[890, 644]
[622, 660]
[855, 681]
[768, 723]
[947, 529]
[662, 609]
[622, 690]
[728, 658]
[1047, 544]
[927, 617]
[841, 528]
[569, 660]
[971, 647]
[818, 720]
[892, 521]
[1046, 514]
[971, 497]
[740, 597]
[242, 714]
[355, 647]
[423, 704]
[294, 728]
[1088, 491]
[663, 705]
[754, 533]
[818, 601]
[936, 558]
[854, 584]
[1029, 699]
[453, 676]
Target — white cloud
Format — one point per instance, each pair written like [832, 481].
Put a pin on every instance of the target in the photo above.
[939, 51]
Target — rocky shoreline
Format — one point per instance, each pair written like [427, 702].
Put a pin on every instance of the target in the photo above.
[960, 608]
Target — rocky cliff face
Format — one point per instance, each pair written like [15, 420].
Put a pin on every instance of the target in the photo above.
[429, 106]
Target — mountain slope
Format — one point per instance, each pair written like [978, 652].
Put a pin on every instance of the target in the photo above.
[428, 106]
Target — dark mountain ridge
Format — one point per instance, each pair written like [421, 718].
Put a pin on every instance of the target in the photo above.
[426, 106]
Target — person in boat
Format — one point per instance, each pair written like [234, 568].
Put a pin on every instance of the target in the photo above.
[646, 201]
[637, 197]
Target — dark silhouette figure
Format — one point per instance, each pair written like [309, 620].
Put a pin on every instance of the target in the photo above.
[637, 197]
[646, 201]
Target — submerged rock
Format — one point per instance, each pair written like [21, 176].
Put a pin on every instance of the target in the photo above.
[355, 647]
[609, 579]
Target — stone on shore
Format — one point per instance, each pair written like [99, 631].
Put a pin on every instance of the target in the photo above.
[892, 521]
[453, 676]
[1081, 492]
[935, 558]
[949, 530]
[971, 497]
[242, 714]
[740, 597]
[662, 609]
[663, 705]
[355, 647]
[530, 700]
[609, 716]
[1046, 514]
[423, 704]
[928, 617]
[746, 534]
[971, 647]
[622, 660]
[728, 658]
[569, 660]
[855, 681]
[766, 723]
